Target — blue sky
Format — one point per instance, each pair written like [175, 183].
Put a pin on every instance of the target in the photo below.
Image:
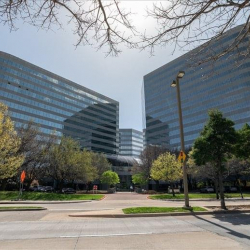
[119, 78]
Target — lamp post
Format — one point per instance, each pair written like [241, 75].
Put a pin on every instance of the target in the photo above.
[175, 83]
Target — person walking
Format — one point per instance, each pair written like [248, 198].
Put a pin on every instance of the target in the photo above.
[131, 188]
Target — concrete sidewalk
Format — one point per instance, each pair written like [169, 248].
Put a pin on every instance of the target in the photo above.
[118, 213]
[43, 202]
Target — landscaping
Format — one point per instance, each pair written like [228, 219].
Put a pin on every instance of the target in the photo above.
[36, 196]
[142, 210]
[195, 196]
[21, 208]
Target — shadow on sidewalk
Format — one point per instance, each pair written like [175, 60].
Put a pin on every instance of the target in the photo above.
[240, 219]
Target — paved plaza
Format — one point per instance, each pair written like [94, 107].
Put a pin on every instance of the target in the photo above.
[55, 229]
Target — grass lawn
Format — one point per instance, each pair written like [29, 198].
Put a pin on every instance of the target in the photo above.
[17, 208]
[142, 210]
[35, 196]
[195, 196]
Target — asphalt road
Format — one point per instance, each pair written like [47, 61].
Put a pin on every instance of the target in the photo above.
[54, 229]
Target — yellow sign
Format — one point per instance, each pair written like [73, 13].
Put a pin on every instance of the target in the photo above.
[182, 156]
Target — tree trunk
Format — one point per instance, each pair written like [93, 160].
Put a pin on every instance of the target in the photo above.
[216, 188]
[60, 185]
[240, 189]
[222, 199]
[172, 186]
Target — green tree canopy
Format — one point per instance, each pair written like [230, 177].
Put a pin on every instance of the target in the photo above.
[110, 178]
[139, 179]
[242, 147]
[68, 163]
[100, 162]
[147, 157]
[215, 144]
[10, 160]
[166, 168]
[85, 171]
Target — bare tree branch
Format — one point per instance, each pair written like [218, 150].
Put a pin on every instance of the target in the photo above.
[103, 22]
[192, 22]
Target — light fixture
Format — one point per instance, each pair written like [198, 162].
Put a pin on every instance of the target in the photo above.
[181, 74]
[173, 84]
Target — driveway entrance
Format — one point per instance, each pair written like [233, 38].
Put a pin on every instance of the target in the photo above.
[126, 196]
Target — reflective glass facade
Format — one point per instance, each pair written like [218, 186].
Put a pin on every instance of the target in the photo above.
[57, 104]
[224, 85]
[131, 142]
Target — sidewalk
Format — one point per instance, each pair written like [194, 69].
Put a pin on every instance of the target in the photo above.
[118, 213]
[43, 202]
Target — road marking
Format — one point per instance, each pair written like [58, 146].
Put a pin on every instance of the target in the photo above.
[104, 235]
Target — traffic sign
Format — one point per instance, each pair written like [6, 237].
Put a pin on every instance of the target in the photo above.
[23, 175]
[182, 156]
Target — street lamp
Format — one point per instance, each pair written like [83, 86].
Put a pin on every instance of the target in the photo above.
[175, 83]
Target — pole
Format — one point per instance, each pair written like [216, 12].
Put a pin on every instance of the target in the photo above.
[20, 190]
[182, 144]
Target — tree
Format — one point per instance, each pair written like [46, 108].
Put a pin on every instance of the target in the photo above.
[215, 144]
[68, 163]
[100, 162]
[10, 159]
[242, 147]
[108, 23]
[148, 155]
[105, 22]
[139, 179]
[237, 168]
[202, 172]
[110, 178]
[34, 146]
[167, 168]
[85, 171]
[187, 22]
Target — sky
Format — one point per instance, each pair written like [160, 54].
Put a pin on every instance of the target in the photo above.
[119, 78]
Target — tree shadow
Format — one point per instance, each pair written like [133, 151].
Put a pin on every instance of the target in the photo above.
[234, 219]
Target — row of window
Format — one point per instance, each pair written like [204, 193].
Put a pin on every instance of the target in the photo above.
[53, 80]
[65, 101]
[31, 99]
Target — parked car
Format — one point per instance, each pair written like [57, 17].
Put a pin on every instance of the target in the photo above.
[47, 189]
[32, 188]
[228, 189]
[207, 190]
[68, 191]
[36, 188]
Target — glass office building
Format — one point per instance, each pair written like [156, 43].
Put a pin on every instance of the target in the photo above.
[57, 104]
[131, 142]
[222, 85]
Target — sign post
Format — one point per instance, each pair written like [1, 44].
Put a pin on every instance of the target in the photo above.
[95, 189]
[22, 177]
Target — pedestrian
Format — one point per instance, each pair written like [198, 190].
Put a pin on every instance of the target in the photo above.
[131, 188]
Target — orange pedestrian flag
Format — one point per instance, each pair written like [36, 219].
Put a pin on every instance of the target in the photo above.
[23, 176]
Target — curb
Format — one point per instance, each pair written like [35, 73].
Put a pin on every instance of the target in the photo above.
[160, 214]
[102, 198]
[42, 202]
[17, 210]
[202, 199]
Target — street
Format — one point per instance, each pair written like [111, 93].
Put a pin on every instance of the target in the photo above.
[54, 229]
